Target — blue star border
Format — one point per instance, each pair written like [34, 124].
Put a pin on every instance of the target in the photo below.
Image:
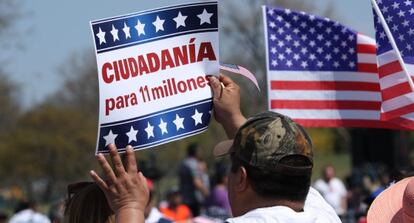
[134, 29]
[157, 128]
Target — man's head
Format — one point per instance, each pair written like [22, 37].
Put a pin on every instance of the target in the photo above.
[192, 150]
[272, 159]
[328, 173]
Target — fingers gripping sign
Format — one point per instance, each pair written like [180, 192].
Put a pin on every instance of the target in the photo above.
[125, 189]
[226, 100]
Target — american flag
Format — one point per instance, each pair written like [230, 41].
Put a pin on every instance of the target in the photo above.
[397, 94]
[321, 73]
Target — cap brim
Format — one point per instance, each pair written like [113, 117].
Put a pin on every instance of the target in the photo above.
[387, 207]
[223, 148]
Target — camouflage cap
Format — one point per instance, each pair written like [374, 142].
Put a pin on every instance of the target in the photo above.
[266, 139]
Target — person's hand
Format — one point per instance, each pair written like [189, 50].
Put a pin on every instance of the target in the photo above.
[226, 99]
[126, 190]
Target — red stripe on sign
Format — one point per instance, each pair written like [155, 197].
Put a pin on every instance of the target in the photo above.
[396, 91]
[386, 116]
[324, 85]
[324, 104]
[367, 67]
[389, 68]
[366, 48]
[349, 123]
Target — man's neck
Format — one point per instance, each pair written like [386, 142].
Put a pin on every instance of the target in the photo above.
[260, 202]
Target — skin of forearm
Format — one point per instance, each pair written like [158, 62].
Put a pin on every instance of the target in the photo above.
[129, 216]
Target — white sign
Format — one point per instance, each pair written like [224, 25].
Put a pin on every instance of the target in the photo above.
[152, 69]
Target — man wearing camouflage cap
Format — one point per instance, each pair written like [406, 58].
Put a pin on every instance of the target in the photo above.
[271, 164]
[271, 168]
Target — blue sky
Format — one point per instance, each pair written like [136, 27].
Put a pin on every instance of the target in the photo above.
[52, 31]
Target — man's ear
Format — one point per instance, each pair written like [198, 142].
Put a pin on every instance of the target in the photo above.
[242, 180]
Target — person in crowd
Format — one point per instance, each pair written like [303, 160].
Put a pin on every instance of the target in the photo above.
[56, 211]
[26, 212]
[3, 217]
[271, 165]
[152, 214]
[190, 180]
[205, 179]
[333, 190]
[86, 203]
[175, 209]
[218, 205]
[395, 204]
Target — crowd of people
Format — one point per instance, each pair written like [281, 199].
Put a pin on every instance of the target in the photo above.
[268, 180]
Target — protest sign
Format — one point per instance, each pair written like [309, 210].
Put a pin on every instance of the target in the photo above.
[152, 69]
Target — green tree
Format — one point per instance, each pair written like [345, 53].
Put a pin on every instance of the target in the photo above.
[50, 144]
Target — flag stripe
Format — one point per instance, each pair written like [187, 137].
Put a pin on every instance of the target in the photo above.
[323, 85]
[315, 104]
[322, 76]
[396, 91]
[326, 95]
[397, 102]
[402, 110]
[366, 48]
[353, 123]
[390, 68]
[370, 68]
[330, 114]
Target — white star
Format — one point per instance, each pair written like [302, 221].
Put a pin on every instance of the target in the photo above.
[289, 63]
[288, 11]
[101, 36]
[159, 24]
[304, 64]
[197, 117]
[205, 17]
[150, 131]
[281, 56]
[396, 5]
[411, 11]
[126, 31]
[406, 23]
[319, 64]
[273, 37]
[352, 64]
[382, 35]
[272, 25]
[279, 18]
[312, 57]
[179, 122]
[163, 127]
[319, 50]
[270, 12]
[180, 20]
[114, 33]
[408, 2]
[274, 63]
[296, 57]
[110, 138]
[328, 57]
[273, 50]
[411, 31]
[401, 13]
[336, 64]
[140, 28]
[132, 135]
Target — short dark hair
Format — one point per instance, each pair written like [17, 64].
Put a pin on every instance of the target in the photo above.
[192, 149]
[277, 185]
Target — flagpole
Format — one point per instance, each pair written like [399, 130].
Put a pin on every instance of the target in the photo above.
[393, 43]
